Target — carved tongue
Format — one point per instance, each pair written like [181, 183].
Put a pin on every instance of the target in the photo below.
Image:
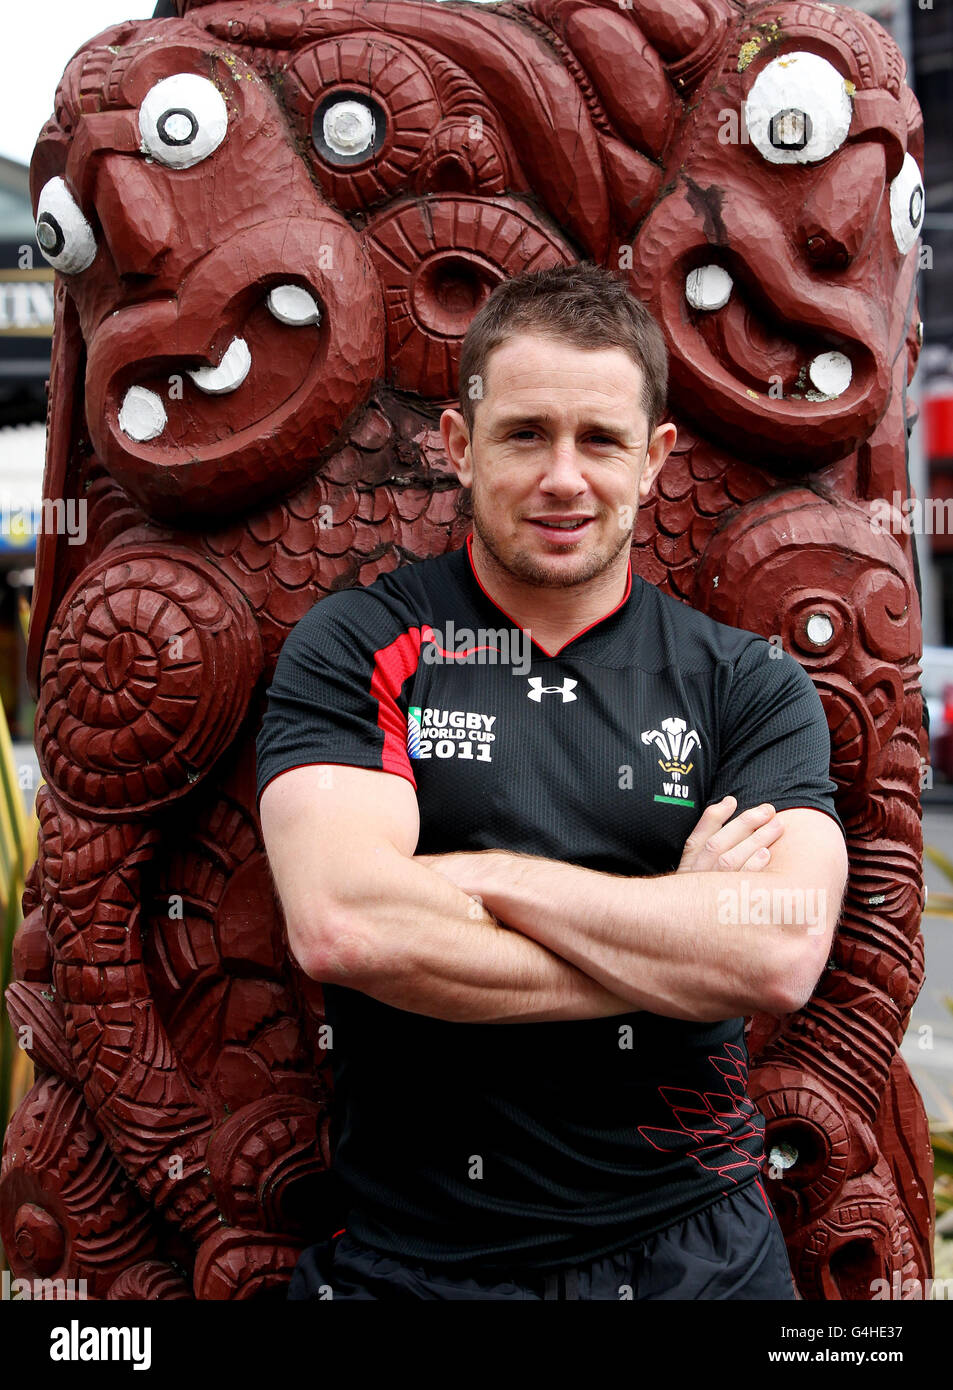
[230, 372]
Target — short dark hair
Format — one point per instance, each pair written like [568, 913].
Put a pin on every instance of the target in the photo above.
[583, 304]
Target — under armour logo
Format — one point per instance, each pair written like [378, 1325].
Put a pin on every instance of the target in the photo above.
[537, 690]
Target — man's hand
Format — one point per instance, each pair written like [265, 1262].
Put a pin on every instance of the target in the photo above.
[681, 944]
[469, 870]
[713, 845]
[741, 844]
[361, 912]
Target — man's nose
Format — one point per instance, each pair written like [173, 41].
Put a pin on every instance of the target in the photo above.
[563, 473]
[841, 211]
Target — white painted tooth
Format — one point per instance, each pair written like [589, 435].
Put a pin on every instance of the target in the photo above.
[230, 372]
[293, 305]
[708, 287]
[142, 415]
[831, 373]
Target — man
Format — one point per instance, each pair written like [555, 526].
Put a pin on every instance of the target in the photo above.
[497, 869]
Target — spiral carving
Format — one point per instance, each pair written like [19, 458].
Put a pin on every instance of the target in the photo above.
[244, 396]
[67, 1210]
[437, 263]
[151, 661]
[364, 109]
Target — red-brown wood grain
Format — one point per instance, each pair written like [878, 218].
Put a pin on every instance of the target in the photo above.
[175, 1143]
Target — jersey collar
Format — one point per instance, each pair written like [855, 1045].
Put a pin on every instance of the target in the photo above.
[597, 622]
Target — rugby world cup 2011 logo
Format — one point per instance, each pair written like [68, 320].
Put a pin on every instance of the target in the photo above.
[676, 743]
[413, 731]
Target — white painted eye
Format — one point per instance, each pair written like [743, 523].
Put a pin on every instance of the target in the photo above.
[798, 110]
[62, 232]
[906, 204]
[348, 128]
[182, 120]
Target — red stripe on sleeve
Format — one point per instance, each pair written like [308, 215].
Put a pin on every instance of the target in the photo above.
[392, 665]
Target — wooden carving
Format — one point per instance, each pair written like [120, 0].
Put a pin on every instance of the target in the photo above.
[273, 224]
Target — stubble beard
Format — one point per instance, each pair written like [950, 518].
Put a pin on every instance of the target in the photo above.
[530, 570]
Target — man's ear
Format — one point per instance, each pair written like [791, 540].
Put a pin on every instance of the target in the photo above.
[456, 444]
[660, 446]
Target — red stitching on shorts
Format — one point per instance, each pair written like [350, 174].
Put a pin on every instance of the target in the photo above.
[764, 1195]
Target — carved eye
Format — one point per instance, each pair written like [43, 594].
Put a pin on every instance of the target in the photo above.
[906, 204]
[182, 120]
[62, 232]
[348, 129]
[798, 110]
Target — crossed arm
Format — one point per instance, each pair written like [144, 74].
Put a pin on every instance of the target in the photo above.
[549, 941]
[678, 944]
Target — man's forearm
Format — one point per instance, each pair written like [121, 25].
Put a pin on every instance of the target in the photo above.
[406, 936]
[655, 941]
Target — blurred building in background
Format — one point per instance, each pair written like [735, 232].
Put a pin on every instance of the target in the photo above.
[26, 326]
[924, 31]
[932, 31]
[26, 304]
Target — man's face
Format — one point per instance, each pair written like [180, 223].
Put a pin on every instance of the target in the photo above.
[560, 456]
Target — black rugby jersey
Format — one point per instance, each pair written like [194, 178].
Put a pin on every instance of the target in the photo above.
[540, 1144]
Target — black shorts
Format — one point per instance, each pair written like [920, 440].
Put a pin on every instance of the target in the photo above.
[732, 1249]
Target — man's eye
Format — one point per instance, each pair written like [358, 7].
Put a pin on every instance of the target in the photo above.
[591, 438]
[182, 120]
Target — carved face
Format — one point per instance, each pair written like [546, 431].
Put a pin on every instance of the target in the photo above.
[273, 224]
[208, 276]
[270, 209]
[775, 261]
[839, 597]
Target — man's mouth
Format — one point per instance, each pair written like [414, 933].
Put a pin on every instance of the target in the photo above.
[561, 529]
